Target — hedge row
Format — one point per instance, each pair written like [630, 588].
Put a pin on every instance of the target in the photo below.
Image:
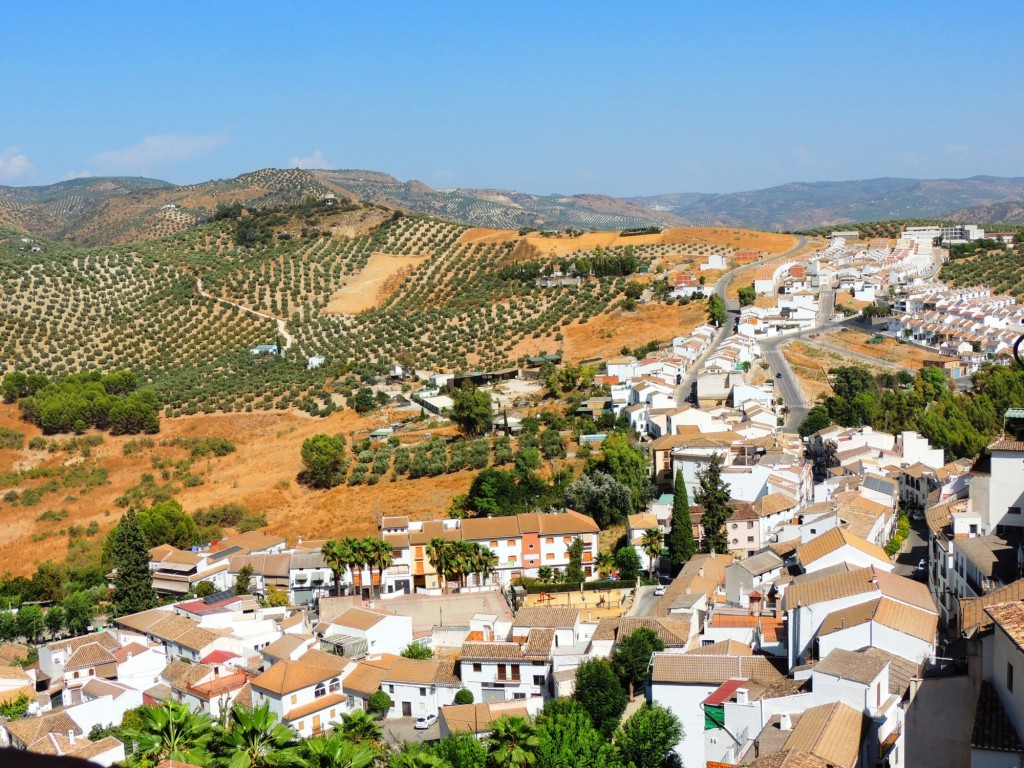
[588, 586]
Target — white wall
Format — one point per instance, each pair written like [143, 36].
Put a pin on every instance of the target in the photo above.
[684, 702]
[847, 554]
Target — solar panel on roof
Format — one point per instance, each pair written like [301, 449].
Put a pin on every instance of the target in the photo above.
[217, 597]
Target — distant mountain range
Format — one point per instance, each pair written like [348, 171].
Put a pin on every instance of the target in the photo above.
[92, 211]
[805, 205]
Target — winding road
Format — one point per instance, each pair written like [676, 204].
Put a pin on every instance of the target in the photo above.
[732, 307]
[282, 326]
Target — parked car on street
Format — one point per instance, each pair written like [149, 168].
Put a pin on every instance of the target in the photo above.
[422, 723]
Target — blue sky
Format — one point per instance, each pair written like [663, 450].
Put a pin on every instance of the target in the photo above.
[616, 98]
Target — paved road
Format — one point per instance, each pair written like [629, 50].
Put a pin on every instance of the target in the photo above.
[915, 549]
[643, 603]
[788, 386]
[402, 729]
[732, 307]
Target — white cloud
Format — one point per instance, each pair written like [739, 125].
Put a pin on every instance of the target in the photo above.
[14, 165]
[156, 152]
[316, 160]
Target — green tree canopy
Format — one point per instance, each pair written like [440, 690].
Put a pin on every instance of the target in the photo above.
[628, 562]
[568, 739]
[471, 409]
[624, 461]
[713, 495]
[632, 657]
[679, 541]
[600, 496]
[599, 691]
[133, 582]
[647, 737]
[323, 460]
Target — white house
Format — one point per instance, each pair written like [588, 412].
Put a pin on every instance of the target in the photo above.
[305, 694]
[500, 671]
[420, 687]
[381, 631]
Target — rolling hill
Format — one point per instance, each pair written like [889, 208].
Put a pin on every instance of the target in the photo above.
[802, 205]
[98, 211]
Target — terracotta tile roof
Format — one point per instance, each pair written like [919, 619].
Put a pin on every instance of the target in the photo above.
[14, 673]
[14, 652]
[833, 540]
[89, 655]
[860, 581]
[284, 646]
[851, 665]
[790, 759]
[182, 675]
[993, 729]
[28, 730]
[97, 687]
[360, 618]
[722, 648]
[103, 639]
[642, 521]
[546, 616]
[1007, 445]
[121, 655]
[773, 503]
[316, 705]
[423, 672]
[972, 614]
[275, 566]
[1009, 617]
[491, 652]
[290, 676]
[567, 523]
[889, 613]
[364, 679]
[833, 732]
[244, 697]
[710, 670]
[486, 528]
[539, 642]
[82, 749]
[761, 563]
[901, 670]
[477, 718]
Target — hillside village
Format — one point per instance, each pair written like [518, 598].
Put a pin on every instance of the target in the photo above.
[806, 629]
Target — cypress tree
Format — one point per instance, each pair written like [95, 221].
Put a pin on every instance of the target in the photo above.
[133, 584]
[714, 496]
[680, 543]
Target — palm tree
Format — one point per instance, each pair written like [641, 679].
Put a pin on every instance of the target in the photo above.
[484, 563]
[335, 751]
[440, 553]
[512, 743]
[651, 545]
[418, 760]
[337, 556]
[357, 551]
[545, 574]
[605, 564]
[255, 739]
[171, 732]
[358, 727]
[462, 560]
[379, 555]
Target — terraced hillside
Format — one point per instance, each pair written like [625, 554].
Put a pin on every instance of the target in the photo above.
[453, 305]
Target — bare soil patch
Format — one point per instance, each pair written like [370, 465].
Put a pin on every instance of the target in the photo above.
[381, 277]
[605, 335]
[260, 475]
[889, 349]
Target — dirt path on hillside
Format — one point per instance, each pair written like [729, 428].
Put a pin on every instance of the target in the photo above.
[282, 326]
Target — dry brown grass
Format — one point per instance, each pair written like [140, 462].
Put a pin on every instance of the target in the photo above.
[381, 277]
[889, 350]
[260, 475]
[605, 335]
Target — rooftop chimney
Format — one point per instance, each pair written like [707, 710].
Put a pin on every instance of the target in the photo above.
[785, 722]
[700, 571]
[742, 696]
[71, 738]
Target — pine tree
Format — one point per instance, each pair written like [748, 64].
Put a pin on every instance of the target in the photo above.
[133, 584]
[714, 496]
[680, 543]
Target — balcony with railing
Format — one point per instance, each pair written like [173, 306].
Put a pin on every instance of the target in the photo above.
[887, 743]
